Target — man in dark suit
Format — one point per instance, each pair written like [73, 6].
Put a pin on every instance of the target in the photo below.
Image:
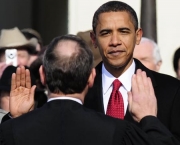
[67, 72]
[115, 33]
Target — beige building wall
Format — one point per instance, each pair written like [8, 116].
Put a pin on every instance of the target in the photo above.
[168, 24]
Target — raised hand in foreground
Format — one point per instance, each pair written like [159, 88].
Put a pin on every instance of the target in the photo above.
[21, 94]
[142, 100]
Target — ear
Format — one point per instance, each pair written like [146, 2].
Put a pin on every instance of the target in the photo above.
[42, 75]
[158, 65]
[139, 34]
[91, 78]
[93, 39]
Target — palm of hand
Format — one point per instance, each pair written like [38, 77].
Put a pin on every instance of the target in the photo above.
[20, 101]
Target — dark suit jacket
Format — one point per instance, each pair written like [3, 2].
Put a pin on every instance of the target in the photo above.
[66, 122]
[167, 91]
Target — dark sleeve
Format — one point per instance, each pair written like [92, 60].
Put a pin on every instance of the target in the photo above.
[152, 132]
[156, 130]
[175, 116]
[6, 134]
[5, 118]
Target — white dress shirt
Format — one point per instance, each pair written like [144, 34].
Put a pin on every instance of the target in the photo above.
[66, 98]
[125, 79]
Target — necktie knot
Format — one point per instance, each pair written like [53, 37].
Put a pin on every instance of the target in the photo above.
[116, 85]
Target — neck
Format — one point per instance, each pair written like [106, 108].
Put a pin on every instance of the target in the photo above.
[79, 96]
[118, 71]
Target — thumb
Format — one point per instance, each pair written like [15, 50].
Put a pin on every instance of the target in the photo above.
[32, 92]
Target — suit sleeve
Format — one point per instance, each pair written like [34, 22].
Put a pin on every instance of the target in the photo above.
[175, 116]
[157, 131]
[5, 118]
[151, 132]
[6, 134]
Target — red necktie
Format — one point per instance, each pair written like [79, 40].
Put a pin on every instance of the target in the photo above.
[116, 105]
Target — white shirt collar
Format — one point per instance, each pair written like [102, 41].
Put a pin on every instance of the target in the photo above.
[125, 78]
[66, 98]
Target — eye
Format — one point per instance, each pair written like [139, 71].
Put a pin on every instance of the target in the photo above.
[104, 33]
[125, 32]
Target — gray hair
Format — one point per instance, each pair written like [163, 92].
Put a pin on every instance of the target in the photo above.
[156, 52]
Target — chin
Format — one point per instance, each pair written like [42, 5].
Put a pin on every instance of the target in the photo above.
[116, 66]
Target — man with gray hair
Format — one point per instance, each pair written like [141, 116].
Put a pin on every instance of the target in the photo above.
[148, 53]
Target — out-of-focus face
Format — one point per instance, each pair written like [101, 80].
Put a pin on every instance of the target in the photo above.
[116, 38]
[23, 57]
[145, 53]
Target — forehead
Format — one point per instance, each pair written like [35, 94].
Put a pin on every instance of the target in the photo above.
[122, 18]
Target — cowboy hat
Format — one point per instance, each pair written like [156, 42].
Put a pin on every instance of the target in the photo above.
[15, 38]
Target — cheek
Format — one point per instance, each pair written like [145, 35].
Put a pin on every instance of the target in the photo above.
[102, 45]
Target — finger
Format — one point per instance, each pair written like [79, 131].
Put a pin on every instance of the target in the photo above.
[140, 81]
[138, 71]
[129, 101]
[28, 79]
[134, 85]
[18, 73]
[151, 89]
[22, 76]
[145, 81]
[13, 82]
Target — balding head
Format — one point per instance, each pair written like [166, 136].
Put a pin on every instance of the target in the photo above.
[148, 53]
[67, 64]
[67, 48]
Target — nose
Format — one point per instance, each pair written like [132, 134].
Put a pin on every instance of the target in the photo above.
[115, 40]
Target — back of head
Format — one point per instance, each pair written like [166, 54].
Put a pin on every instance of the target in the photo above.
[67, 64]
[115, 6]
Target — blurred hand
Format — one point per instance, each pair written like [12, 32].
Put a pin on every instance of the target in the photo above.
[21, 94]
[142, 100]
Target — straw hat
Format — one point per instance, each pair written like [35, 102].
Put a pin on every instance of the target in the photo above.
[14, 38]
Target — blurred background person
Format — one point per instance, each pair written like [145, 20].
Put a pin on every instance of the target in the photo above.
[5, 87]
[176, 63]
[14, 39]
[148, 53]
[86, 37]
[32, 34]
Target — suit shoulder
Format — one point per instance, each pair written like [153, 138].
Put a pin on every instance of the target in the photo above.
[165, 79]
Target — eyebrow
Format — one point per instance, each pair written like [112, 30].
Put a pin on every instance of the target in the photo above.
[124, 28]
[109, 30]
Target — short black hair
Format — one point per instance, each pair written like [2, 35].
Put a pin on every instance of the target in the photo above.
[176, 59]
[115, 6]
[67, 74]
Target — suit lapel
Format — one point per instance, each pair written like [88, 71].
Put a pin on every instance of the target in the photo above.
[99, 89]
[139, 65]
[94, 98]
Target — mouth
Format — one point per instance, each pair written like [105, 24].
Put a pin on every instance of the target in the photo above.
[116, 52]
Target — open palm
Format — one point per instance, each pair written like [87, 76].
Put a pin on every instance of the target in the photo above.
[22, 94]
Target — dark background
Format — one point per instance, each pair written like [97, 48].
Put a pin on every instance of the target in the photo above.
[48, 17]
